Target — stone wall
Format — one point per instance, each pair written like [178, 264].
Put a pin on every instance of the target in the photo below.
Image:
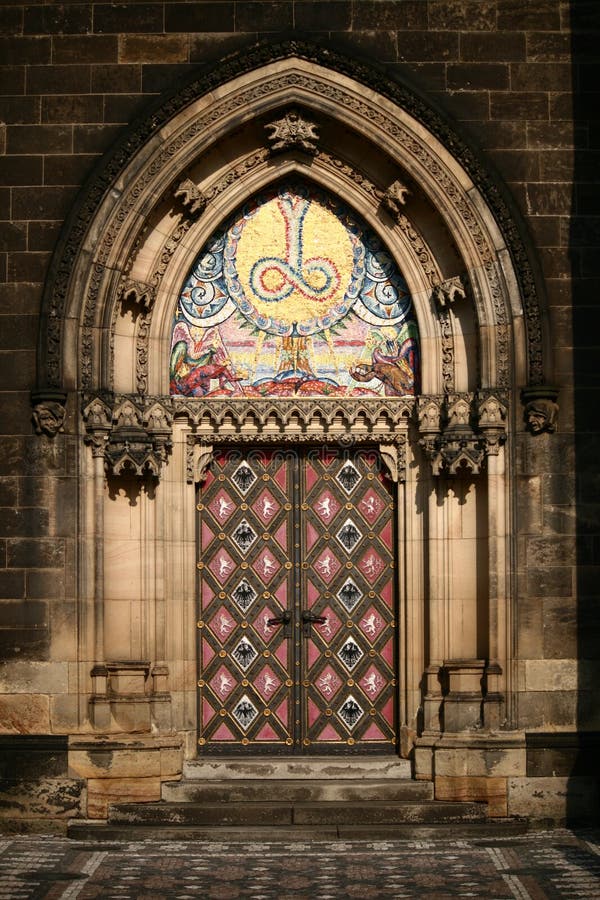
[75, 75]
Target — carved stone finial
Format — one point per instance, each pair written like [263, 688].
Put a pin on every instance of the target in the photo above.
[48, 411]
[395, 198]
[191, 197]
[540, 408]
[293, 132]
[446, 292]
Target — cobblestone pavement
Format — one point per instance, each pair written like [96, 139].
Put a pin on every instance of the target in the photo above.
[552, 864]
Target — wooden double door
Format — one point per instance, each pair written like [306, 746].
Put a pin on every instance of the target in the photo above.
[296, 630]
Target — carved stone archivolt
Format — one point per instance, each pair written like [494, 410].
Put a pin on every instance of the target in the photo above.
[325, 91]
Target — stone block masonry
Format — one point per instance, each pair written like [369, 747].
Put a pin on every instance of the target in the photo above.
[519, 79]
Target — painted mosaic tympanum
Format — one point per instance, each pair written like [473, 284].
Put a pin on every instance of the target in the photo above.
[294, 296]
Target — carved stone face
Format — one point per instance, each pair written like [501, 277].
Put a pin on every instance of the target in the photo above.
[541, 416]
[48, 418]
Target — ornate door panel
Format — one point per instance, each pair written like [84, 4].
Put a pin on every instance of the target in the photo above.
[246, 600]
[348, 581]
[296, 626]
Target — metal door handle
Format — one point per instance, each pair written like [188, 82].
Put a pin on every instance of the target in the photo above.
[308, 619]
[284, 619]
[313, 619]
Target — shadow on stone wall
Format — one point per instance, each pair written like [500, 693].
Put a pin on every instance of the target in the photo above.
[584, 247]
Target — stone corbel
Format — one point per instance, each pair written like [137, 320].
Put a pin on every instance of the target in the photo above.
[430, 424]
[540, 408]
[292, 132]
[491, 414]
[49, 411]
[447, 292]
[97, 416]
[139, 441]
[139, 293]
[460, 448]
[394, 459]
[200, 457]
[130, 438]
[454, 447]
[191, 197]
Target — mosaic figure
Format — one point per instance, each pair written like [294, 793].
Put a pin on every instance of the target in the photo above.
[294, 297]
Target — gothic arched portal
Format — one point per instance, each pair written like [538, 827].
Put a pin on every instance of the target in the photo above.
[295, 253]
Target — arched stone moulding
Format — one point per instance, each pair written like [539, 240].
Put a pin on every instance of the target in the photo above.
[109, 309]
[111, 224]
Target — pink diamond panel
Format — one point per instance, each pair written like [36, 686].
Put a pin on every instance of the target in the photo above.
[266, 507]
[222, 566]
[221, 624]
[328, 683]
[266, 566]
[371, 506]
[222, 507]
[372, 683]
[371, 565]
[371, 624]
[223, 683]
[326, 506]
[267, 683]
[327, 565]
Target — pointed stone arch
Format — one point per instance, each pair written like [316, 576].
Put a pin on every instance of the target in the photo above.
[98, 266]
[107, 315]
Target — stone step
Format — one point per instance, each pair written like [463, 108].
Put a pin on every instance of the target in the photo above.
[92, 830]
[288, 767]
[264, 813]
[294, 790]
